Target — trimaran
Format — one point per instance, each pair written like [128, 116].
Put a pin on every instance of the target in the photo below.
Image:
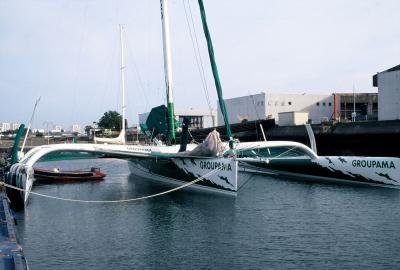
[220, 165]
[287, 158]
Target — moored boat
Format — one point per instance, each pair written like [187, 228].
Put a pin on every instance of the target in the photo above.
[56, 174]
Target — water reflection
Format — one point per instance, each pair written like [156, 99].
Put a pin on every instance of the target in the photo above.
[272, 223]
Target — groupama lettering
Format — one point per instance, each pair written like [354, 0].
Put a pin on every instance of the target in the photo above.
[212, 165]
[373, 164]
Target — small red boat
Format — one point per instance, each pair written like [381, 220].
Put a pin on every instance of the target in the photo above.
[64, 175]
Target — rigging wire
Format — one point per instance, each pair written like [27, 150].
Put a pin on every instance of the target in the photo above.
[255, 109]
[135, 67]
[78, 64]
[196, 50]
[110, 74]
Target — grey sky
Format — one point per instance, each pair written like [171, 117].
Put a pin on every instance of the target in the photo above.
[67, 51]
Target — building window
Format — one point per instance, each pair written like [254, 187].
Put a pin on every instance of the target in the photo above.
[330, 104]
[323, 103]
[262, 103]
[290, 103]
[317, 103]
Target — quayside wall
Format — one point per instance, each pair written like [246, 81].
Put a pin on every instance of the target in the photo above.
[367, 138]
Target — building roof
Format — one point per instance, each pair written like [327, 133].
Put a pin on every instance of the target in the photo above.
[393, 68]
[375, 77]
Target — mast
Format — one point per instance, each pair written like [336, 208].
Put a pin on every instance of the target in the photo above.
[168, 70]
[215, 73]
[353, 117]
[121, 28]
[30, 124]
[121, 139]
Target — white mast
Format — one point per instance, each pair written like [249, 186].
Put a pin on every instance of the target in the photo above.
[121, 137]
[168, 67]
[121, 28]
[353, 115]
[167, 48]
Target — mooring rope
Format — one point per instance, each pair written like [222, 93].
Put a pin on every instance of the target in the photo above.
[117, 201]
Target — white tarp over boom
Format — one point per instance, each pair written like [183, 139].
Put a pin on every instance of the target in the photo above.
[211, 147]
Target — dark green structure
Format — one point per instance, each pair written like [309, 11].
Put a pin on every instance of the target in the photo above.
[15, 149]
[215, 72]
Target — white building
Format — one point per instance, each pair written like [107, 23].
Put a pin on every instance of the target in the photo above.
[76, 128]
[269, 105]
[388, 83]
[293, 118]
[15, 126]
[57, 129]
[198, 118]
[38, 130]
[5, 127]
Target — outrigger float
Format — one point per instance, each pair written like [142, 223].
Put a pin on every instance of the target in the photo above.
[298, 161]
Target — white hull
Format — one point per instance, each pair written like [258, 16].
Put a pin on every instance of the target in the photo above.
[145, 174]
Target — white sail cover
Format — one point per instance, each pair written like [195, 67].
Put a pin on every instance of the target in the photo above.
[211, 147]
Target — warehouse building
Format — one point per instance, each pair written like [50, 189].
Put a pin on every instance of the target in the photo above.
[9, 126]
[198, 118]
[388, 83]
[268, 105]
[5, 127]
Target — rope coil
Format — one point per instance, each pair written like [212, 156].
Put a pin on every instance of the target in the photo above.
[117, 201]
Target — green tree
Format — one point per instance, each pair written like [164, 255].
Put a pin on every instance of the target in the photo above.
[87, 129]
[111, 120]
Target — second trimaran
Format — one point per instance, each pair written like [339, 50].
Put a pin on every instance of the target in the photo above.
[219, 165]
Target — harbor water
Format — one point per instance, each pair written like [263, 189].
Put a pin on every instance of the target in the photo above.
[270, 224]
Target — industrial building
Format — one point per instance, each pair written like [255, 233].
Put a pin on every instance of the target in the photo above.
[388, 83]
[15, 126]
[198, 118]
[268, 105]
[5, 127]
[355, 106]
[8, 126]
[76, 128]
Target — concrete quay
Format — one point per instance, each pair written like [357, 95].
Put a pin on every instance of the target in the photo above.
[11, 254]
